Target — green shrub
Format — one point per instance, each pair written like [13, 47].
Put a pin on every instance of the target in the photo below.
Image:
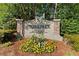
[34, 45]
[69, 26]
[73, 40]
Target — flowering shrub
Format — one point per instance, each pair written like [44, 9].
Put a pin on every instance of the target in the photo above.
[38, 45]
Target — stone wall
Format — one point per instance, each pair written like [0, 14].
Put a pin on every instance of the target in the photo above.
[19, 26]
[56, 26]
[52, 33]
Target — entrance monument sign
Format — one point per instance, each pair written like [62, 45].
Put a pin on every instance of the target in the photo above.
[50, 29]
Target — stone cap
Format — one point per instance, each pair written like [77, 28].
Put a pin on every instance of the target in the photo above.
[19, 19]
[56, 20]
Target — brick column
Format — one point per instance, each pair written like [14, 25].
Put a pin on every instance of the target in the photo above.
[19, 26]
[56, 26]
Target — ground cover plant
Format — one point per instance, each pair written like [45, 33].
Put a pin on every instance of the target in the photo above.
[7, 44]
[73, 40]
[38, 45]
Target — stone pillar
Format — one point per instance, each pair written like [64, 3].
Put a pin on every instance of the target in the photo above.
[56, 26]
[19, 26]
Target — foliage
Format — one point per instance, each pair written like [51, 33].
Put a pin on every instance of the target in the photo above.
[7, 19]
[7, 44]
[4, 34]
[18, 36]
[67, 11]
[34, 45]
[46, 8]
[26, 11]
[70, 26]
[29, 11]
[69, 53]
[73, 40]
[69, 15]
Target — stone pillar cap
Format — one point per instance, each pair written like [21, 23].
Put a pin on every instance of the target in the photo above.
[19, 19]
[56, 19]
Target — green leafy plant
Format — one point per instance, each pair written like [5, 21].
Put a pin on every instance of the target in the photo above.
[38, 45]
[69, 26]
[7, 44]
[73, 40]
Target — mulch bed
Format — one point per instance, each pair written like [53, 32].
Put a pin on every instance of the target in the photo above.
[13, 50]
